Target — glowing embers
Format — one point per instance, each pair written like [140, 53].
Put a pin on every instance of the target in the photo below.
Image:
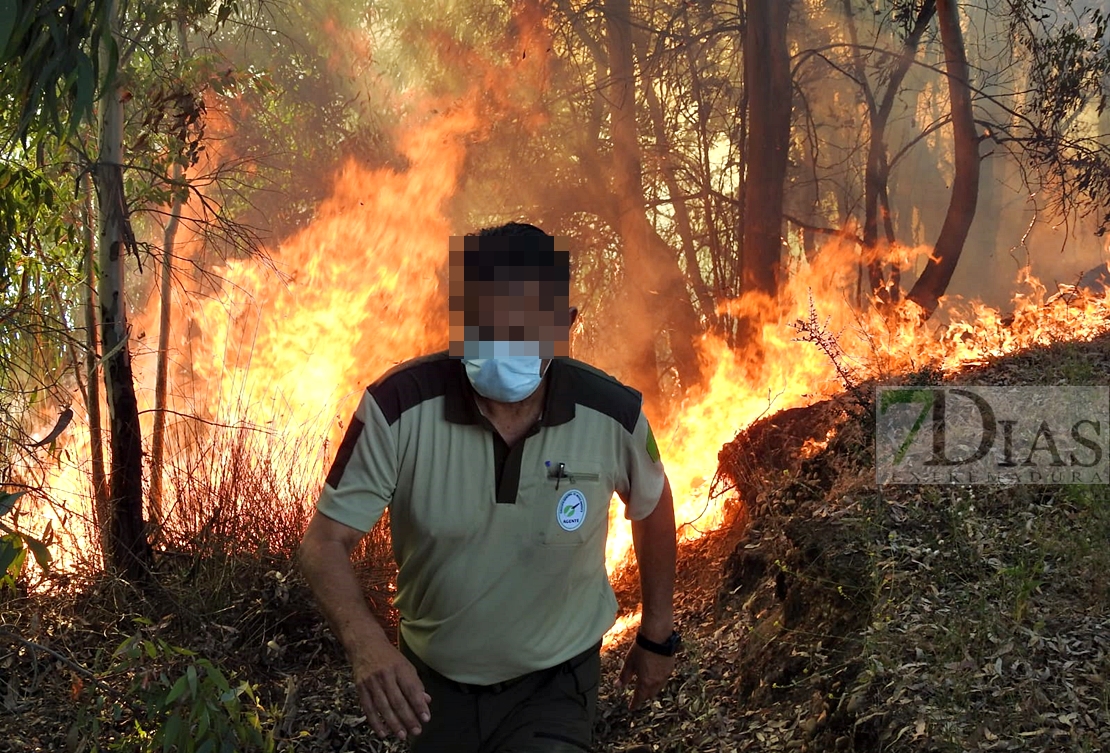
[812, 447]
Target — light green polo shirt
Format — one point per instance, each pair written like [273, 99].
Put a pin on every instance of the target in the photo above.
[501, 550]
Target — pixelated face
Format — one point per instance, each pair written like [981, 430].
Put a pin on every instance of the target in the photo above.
[509, 290]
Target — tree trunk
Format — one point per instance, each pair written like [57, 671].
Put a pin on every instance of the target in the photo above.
[655, 289]
[169, 238]
[128, 553]
[101, 512]
[631, 223]
[877, 171]
[157, 439]
[682, 217]
[934, 279]
[767, 83]
[768, 94]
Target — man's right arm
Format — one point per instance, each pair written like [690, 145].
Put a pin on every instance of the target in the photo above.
[389, 689]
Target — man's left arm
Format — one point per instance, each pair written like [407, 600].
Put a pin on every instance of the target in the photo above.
[654, 542]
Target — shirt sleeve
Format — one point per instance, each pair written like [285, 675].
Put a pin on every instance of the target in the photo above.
[363, 476]
[641, 483]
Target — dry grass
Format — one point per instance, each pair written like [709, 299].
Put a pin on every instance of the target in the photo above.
[992, 627]
[225, 586]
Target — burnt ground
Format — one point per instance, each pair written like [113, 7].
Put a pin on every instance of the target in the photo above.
[831, 614]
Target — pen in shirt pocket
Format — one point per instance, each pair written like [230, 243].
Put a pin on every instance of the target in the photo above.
[557, 472]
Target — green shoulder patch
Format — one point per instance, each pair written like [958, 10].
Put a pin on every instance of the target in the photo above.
[652, 447]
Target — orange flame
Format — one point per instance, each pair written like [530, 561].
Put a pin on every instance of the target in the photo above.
[873, 345]
[359, 291]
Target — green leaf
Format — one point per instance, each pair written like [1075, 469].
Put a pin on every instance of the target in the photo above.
[8, 500]
[84, 92]
[203, 723]
[223, 13]
[218, 678]
[176, 691]
[123, 647]
[191, 674]
[8, 552]
[14, 564]
[8, 11]
[171, 732]
[42, 554]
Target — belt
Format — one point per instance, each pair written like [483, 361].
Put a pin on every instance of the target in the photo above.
[570, 664]
[499, 687]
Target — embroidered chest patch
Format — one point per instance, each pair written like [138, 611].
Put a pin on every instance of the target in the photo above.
[571, 511]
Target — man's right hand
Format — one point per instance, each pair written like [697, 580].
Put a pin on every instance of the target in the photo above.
[390, 691]
[388, 687]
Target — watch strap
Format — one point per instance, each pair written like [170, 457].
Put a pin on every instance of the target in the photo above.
[667, 648]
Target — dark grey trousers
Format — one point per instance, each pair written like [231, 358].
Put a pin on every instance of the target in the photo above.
[550, 711]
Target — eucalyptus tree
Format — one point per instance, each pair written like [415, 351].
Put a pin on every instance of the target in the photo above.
[563, 142]
[934, 278]
[323, 68]
[769, 93]
[110, 84]
[40, 290]
[879, 57]
[1025, 76]
[1057, 130]
[48, 83]
[692, 66]
[880, 106]
[654, 285]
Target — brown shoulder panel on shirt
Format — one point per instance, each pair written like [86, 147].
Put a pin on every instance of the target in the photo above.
[346, 449]
[413, 382]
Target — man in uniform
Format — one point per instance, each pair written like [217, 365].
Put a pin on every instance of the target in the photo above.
[497, 462]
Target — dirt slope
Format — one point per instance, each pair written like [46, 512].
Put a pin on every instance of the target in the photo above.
[838, 615]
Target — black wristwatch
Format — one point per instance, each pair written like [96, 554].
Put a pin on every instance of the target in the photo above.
[667, 648]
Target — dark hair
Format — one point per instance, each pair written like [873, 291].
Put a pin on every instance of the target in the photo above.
[514, 251]
[510, 229]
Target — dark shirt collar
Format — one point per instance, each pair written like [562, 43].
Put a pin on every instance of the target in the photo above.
[460, 406]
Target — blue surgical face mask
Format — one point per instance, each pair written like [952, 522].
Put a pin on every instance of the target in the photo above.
[509, 372]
